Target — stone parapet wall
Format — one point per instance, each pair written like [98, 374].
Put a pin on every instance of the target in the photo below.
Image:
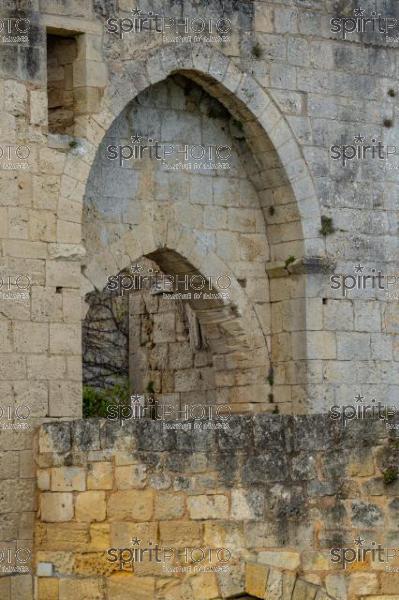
[278, 492]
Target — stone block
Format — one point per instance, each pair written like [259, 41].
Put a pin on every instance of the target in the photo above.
[367, 315]
[256, 576]
[289, 580]
[135, 505]
[46, 367]
[180, 533]
[208, 507]
[247, 504]
[23, 249]
[38, 107]
[204, 586]
[139, 588]
[48, 589]
[6, 342]
[71, 306]
[338, 315]
[90, 588]
[169, 506]
[164, 328]
[46, 304]
[274, 589]
[56, 507]
[26, 464]
[63, 538]
[90, 506]
[51, 161]
[353, 346]
[65, 339]
[55, 437]
[15, 97]
[131, 476]
[21, 587]
[31, 337]
[336, 586]
[315, 561]
[68, 232]
[121, 534]
[281, 560]
[61, 273]
[314, 345]
[65, 399]
[68, 479]
[100, 476]
[99, 536]
[391, 318]
[42, 226]
[304, 590]
[42, 478]
[12, 367]
[362, 583]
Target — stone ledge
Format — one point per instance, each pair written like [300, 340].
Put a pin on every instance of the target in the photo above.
[307, 265]
[264, 432]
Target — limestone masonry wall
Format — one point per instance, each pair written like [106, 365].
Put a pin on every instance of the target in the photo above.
[282, 90]
[277, 492]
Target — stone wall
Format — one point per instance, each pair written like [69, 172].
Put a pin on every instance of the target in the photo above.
[297, 88]
[278, 492]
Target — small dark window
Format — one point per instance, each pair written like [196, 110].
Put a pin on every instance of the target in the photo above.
[61, 54]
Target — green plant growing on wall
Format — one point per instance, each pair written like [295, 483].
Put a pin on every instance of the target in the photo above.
[327, 227]
[289, 261]
[270, 377]
[96, 402]
[390, 475]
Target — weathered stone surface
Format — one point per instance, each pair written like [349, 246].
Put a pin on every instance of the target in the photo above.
[68, 479]
[56, 506]
[279, 92]
[136, 505]
[282, 560]
[90, 506]
[208, 507]
[256, 577]
[99, 476]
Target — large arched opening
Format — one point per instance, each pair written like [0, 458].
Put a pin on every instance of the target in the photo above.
[232, 223]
